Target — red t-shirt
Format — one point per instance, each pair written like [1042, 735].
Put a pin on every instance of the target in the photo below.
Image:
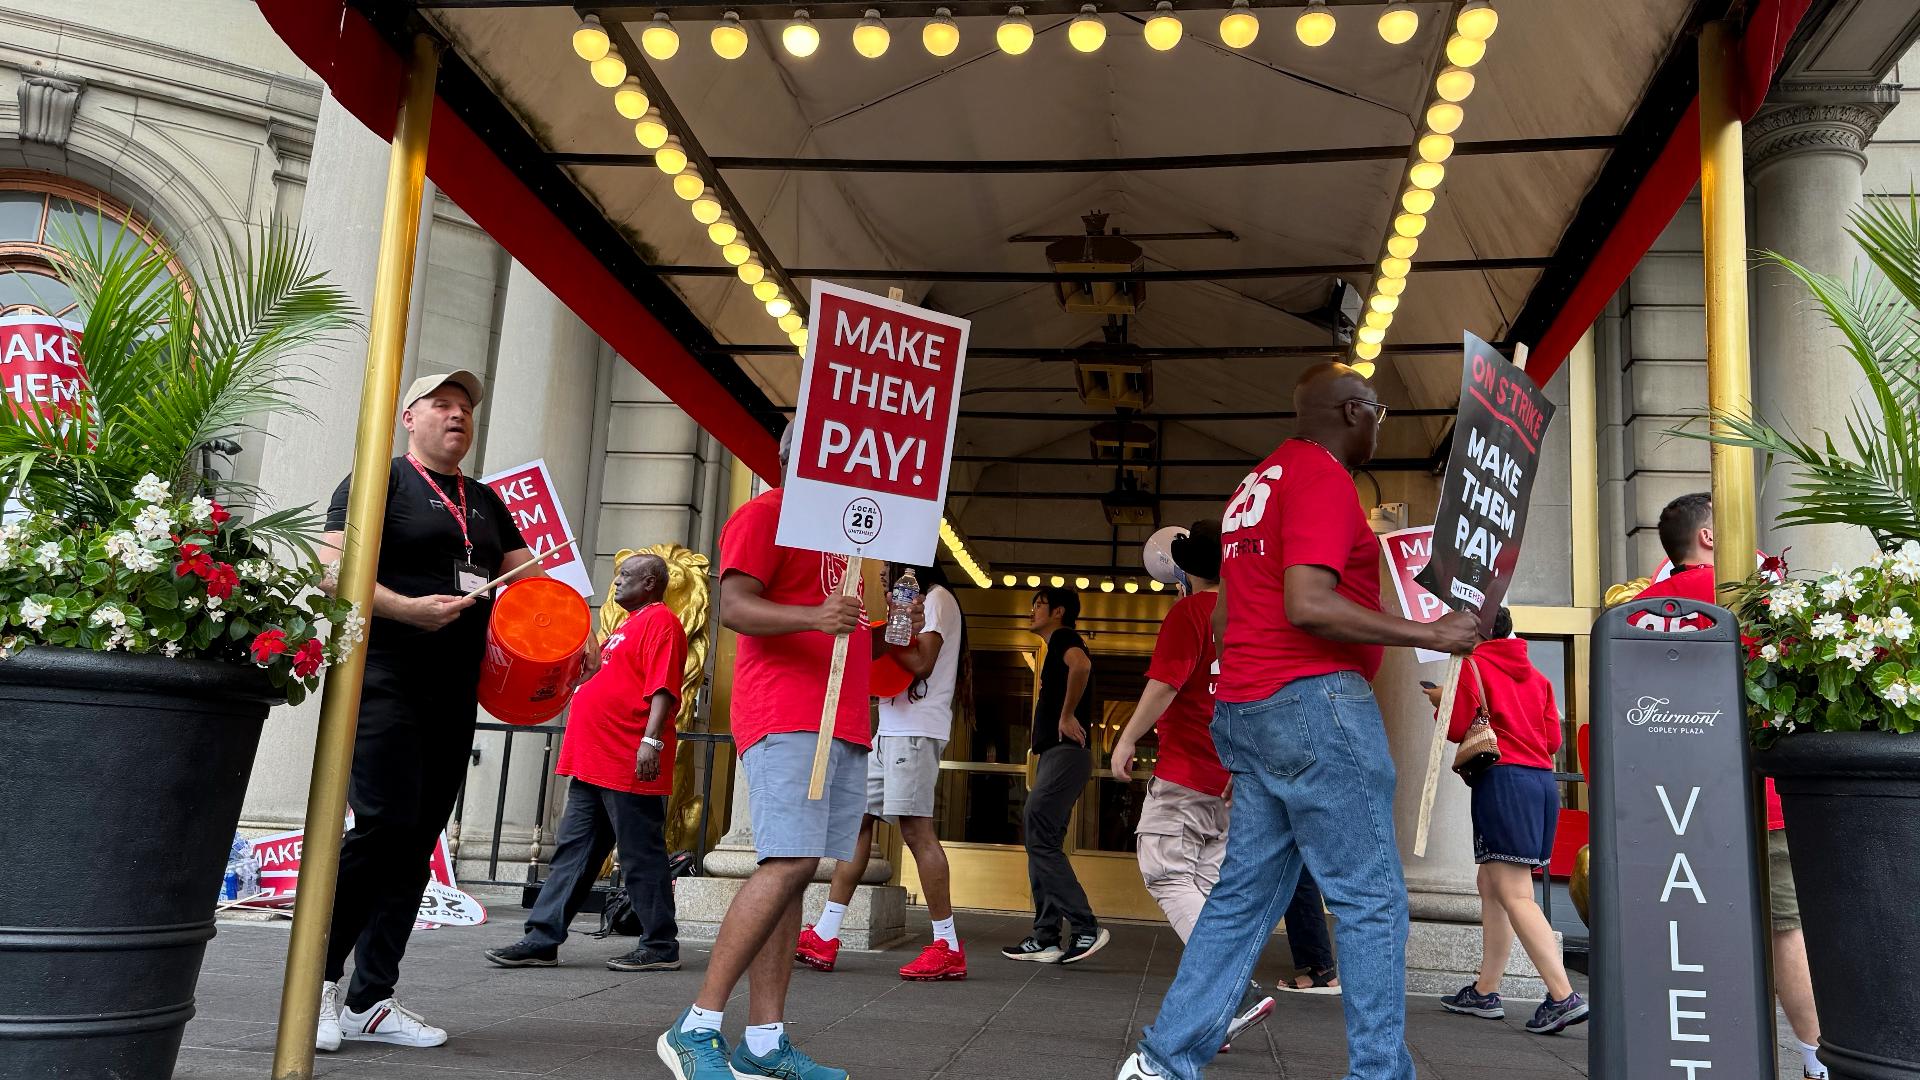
[1183, 659]
[1298, 509]
[1697, 583]
[646, 655]
[1520, 699]
[780, 682]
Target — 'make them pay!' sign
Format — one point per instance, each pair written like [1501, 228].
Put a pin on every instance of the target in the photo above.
[1483, 498]
[873, 435]
[40, 365]
[1408, 552]
[529, 494]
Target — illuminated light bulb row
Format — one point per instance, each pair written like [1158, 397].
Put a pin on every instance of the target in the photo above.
[1107, 585]
[957, 548]
[1468, 45]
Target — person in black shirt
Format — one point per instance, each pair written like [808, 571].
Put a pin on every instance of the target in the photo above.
[1062, 718]
[445, 535]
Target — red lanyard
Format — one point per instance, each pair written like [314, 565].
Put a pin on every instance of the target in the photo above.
[460, 515]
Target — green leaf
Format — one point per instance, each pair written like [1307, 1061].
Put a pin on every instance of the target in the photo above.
[163, 595]
[1886, 675]
[296, 692]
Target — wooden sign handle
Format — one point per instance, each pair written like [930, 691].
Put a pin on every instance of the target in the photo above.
[1436, 752]
[830, 705]
[518, 570]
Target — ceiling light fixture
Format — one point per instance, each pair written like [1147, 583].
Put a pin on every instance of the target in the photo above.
[779, 306]
[1436, 147]
[1239, 26]
[723, 232]
[1366, 351]
[1086, 33]
[1083, 583]
[1402, 247]
[1033, 581]
[751, 272]
[688, 184]
[1107, 585]
[1395, 266]
[651, 131]
[799, 340]
[1454, 84]
[707, 208]
[1390, 286]
[1427, 174]
[1364, 369]
[729, 38]
[1380, 319]
[1009, 581]
[1445, 117]
[671, 158]
[1416, 200]
[1057, 581]
[791, 321]
[1316, 25]
[1399, 23]
[1465, 52]
[800, 38]
[630, 100]
[609, 71]
[1014, 35]
[1410, 224]
[1163, 31]
[590, 41]
[765, 289]
[1477, 20]
[870, 36]
[1385, 305]
[660, 40]
[941, 35]
[1372, 335]
[736, 253]
[1133, 586]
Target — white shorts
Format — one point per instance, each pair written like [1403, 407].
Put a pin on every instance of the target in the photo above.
[902, 773]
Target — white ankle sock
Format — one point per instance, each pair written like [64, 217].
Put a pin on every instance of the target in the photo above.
[943, 931]
[699, 1019]
[829, 925]
[1809, 1056]
[763, 1038]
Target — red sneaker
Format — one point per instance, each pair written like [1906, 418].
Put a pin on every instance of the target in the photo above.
[815, 951]
[936, 962]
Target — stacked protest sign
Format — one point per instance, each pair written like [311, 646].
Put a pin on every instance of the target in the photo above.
[1483, 511]
[531, 498]
[443, 903]
[41, 368]
[872, 443]
[1408, 551]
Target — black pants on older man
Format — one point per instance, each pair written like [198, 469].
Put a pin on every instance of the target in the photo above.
[1059, 780]
[595, 821]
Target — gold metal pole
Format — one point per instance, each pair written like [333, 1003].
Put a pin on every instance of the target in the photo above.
[366, 513]
[1723, 219]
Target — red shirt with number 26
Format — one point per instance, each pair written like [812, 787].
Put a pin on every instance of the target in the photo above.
[1298, 509]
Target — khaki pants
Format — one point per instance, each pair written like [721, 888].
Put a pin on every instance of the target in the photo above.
[1182, 839]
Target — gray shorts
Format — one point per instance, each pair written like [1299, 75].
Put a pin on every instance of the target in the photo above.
[902, 773]
[788, 825]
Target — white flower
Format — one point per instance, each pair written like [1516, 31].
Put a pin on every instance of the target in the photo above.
[255, 570]
[141, 561]
[1841, 586]
[1898, 625]
[353, 628]
[171, 648]
[1857, 653]
[108, 615]
[1831, 625]
[48, 556]
[126, 547]
[1770, 653]
[1898, 694]
[1788, 599]
[35, 613]
[1905, 564]
[221, 616]
[6, 557]
[213, 603]
[151, 489]
[200, 509]
[153, 524]
[191, 603]
[10, 533]
[1868, 630]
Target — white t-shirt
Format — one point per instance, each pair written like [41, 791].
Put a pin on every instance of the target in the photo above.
[932, 715]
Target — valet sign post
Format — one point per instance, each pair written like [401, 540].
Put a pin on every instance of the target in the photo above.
[873, 440]
[1679, 968]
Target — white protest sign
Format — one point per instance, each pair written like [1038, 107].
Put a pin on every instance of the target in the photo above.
[529, 494]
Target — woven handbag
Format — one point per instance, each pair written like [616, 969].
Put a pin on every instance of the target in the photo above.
[1480, 750]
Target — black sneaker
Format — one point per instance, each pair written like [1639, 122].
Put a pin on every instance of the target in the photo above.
[644, 959]
[1030, 948]
[521, 954]
[1469, 1001]
[1085, 944]
[1554, 1017]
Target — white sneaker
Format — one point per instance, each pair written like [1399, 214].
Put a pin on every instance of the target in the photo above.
[389, 1022]
[327, 1035]
[1136, 1069]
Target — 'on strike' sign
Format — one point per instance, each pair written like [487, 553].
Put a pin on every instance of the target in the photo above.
[873, 435]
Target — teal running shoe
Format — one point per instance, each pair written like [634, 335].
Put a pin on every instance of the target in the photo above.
[786, 1062]
[700, 1054]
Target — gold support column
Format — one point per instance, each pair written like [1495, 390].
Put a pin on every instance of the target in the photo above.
[1723, 219]
[366, 514]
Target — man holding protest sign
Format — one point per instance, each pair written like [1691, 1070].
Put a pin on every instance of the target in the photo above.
[1296, 724]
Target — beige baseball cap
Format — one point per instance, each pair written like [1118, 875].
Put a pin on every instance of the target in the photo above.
[427, 384]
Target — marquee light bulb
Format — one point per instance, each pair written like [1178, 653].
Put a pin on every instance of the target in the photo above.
[1399, 23]
[609, 71]
[660, 40]
[1239, 26]
[751, 272]
[1427, 174]
[1363, 368]
[723, 232]
[736, 253]
[1366, 350]
[779, 306]
[1394, 266]
[1384, 304]
[1087, 33]
[1009, 580]
[1390, 286]
[1106, 586]
[729, 38]
[1445, 117]
[1436, 147]
[800, 37]
[1057, 581]
[1014, 35]
[1157, 585]
[651, 132]
[1465, 52]
[798, 337]
[1410, 224]
[1316, 25]
[1033, 581]
[1133, 586]
[590, 41]
[941, 35]
[1083, 583]
[630, 100]
[707, 208]
[1477, 20]
[689, 185]
[1371, 335]
[792, 321]
[1416, 200]
[671, 158]
[870, 36]
[1163, 31]
[1378, 318]
[765, 289]
[1402, 247]
[1454, 84]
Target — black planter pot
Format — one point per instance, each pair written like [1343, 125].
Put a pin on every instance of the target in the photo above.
[120, 788]
[1852, 802]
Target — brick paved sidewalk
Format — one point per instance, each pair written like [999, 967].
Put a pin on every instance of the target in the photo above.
[1007, 1021]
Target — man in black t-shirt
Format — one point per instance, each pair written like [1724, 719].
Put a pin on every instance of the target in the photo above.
[1062, 718]
[445, 535]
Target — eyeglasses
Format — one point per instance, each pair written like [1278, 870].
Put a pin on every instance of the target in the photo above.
[1378, 417]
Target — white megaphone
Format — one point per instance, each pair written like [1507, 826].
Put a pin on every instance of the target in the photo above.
[1157, 556]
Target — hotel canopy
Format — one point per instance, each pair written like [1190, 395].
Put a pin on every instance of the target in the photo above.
[1519, 156]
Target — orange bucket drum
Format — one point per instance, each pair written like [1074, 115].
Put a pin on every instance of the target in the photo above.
[533, 650]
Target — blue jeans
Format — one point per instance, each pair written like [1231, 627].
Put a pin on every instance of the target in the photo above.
[1312, 782]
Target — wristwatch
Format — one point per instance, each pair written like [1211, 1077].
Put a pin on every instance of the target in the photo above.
[655, 743]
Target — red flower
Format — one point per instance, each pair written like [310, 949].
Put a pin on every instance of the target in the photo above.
[221, 579]
[220, 514]
[269, 644]
[193, 561]
[307, 660]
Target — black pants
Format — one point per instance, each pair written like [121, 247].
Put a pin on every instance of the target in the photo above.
[595, 819]
[1061, 777]
[1307, 928]
[410, 756]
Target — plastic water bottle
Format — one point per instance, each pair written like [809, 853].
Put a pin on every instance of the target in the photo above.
[900, 608]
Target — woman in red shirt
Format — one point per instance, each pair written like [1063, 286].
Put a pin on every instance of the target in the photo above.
[1516, 806]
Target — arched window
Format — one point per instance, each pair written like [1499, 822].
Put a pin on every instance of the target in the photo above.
[37, 208]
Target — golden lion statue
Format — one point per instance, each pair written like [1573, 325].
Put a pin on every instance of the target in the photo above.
[687, 597]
